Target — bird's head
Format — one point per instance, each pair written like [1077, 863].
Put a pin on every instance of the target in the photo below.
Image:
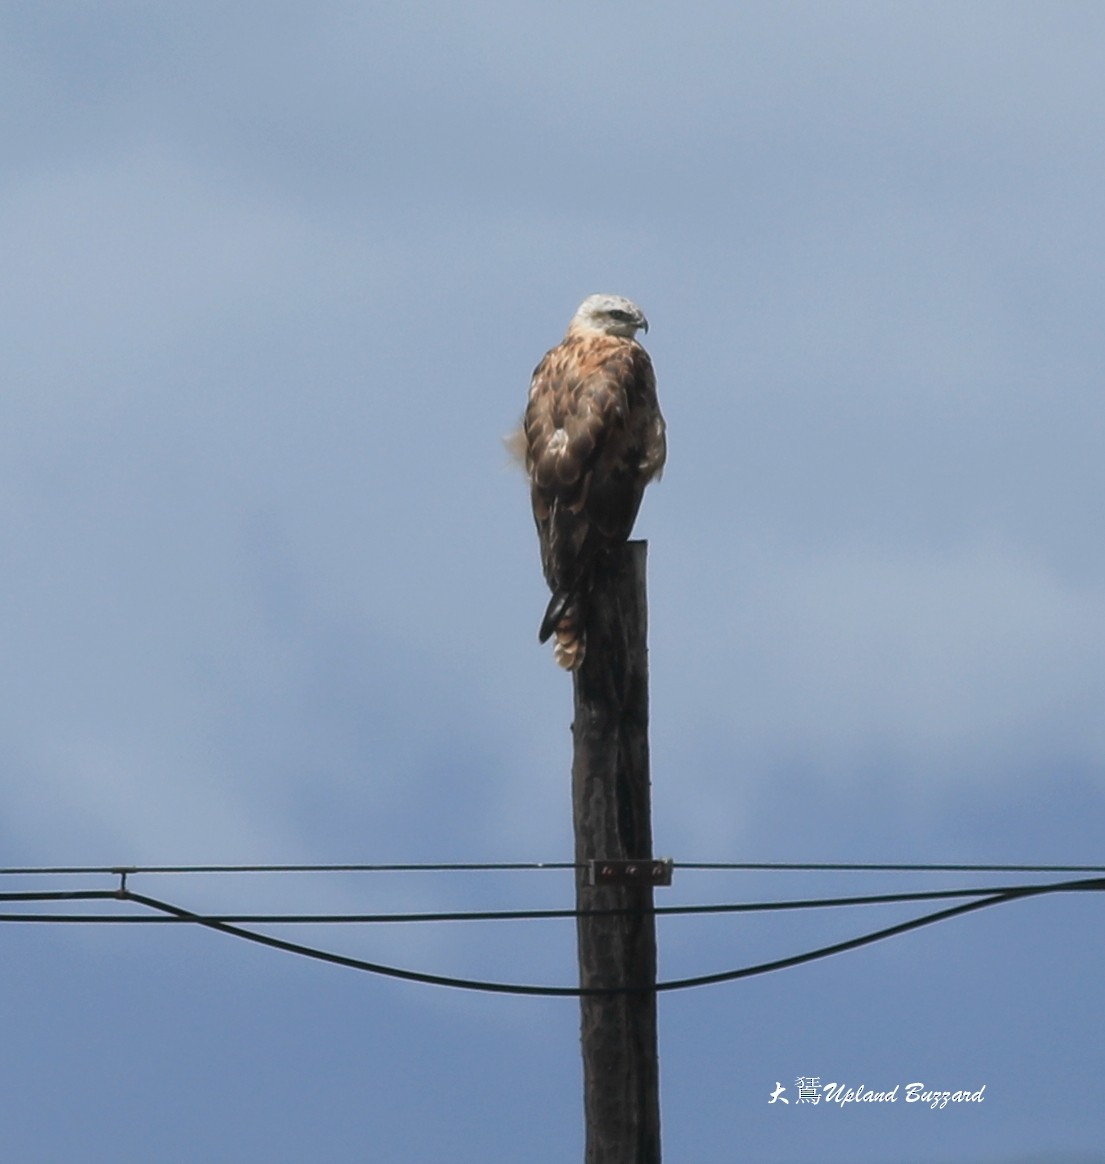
[610, 314]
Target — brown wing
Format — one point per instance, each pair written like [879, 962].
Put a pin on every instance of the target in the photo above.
[594, 438]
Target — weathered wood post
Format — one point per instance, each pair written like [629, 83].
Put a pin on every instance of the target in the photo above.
[613, 822]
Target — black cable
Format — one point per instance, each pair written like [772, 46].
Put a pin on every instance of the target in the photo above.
[63, 895]
[440, 867]
[487, 915]
[878, 935]
[830, 867]
[517, 866]
[1005, 895]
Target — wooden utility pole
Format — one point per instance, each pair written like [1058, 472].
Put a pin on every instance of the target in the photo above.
[613, 822]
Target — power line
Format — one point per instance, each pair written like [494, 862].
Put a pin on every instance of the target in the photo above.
[1001, 897]
[832, 867]
[487, 915]
[524, 866]
[430, 867]
[981, 899]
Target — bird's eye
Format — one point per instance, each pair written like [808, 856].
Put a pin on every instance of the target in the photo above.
[620, 316]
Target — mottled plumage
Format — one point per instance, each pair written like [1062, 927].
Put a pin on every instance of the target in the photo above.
[592, 439]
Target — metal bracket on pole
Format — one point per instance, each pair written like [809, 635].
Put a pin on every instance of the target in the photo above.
[655, 872]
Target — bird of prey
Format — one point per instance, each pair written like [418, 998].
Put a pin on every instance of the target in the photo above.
[592, 439]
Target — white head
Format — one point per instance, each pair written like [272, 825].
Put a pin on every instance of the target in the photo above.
[610, 314]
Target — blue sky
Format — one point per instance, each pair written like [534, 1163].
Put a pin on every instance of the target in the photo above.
[274, 279]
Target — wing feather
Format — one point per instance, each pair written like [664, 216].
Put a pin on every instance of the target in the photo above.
[594, 438]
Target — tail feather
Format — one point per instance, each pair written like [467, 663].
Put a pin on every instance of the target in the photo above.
[564, 618]
[554, 612]
[571, 646]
